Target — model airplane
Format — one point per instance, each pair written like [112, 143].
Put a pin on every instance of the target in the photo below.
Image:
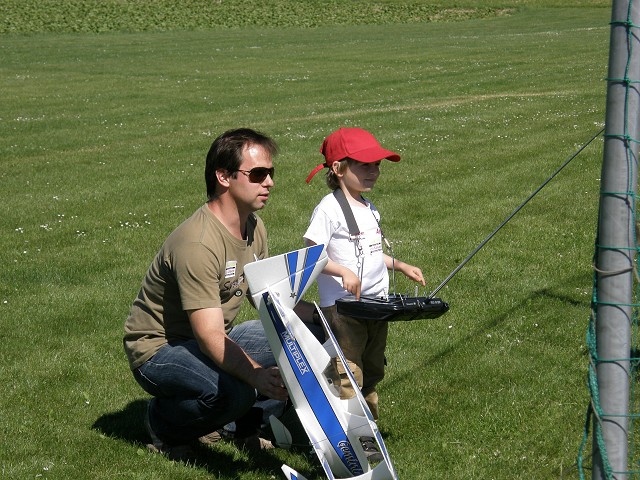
[334, 426]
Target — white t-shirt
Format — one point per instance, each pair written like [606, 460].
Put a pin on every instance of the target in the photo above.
[363, 257]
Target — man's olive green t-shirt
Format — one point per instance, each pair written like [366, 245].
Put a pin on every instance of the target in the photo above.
[200, 265]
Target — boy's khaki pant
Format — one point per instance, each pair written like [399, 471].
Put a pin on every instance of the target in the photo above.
[363, 343]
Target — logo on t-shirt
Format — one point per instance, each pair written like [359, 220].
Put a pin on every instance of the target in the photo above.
[230, 268]
[375, 247]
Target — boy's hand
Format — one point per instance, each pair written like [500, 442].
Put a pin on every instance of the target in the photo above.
[351, 283]
[414, 273]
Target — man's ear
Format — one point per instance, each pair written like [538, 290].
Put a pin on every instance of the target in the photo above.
[222, 176]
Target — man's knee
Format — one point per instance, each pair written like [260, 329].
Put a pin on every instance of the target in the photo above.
[232, 400]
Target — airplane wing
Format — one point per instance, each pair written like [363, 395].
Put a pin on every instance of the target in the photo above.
[333, 425]
[291, 474]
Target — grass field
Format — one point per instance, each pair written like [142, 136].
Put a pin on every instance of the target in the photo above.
[102, 155]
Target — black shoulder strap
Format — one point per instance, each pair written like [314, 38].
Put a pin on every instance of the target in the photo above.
[252, 222]
[346, 209]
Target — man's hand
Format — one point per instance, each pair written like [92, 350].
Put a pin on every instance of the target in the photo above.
[208, 328]
[268, 382]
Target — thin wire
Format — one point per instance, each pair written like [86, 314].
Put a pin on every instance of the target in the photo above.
[484, 242]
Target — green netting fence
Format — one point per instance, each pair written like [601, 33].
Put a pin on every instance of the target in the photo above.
[610, 448]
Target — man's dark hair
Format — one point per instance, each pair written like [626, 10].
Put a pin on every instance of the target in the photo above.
[226, 154]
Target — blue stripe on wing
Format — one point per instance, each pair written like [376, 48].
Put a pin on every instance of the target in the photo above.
[312, 255]
[292, 265]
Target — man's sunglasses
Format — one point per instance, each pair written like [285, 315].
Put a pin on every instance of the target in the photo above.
[258, 174]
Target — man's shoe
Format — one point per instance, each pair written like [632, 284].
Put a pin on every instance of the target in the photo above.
[371, 450]
[179, 453]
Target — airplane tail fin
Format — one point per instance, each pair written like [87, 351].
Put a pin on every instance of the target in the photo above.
[289, 279]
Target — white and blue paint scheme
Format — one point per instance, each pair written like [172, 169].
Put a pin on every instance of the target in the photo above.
[334, 426]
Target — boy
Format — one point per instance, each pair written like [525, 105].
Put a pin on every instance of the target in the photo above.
[357, 265]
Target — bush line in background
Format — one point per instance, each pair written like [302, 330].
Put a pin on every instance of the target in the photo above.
[98, 16]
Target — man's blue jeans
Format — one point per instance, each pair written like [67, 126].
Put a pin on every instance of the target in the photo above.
[193, 396]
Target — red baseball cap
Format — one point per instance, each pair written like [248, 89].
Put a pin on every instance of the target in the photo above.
[354, 143]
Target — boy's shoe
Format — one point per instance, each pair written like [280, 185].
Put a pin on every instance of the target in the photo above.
[210, 438]
[179, 453]
[371, 450]
[253, 443]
